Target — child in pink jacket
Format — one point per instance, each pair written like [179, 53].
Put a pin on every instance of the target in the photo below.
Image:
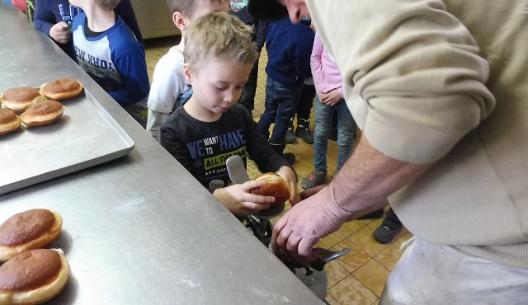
[329, 102]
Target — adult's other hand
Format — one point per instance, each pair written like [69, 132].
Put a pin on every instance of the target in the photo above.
[296, 233]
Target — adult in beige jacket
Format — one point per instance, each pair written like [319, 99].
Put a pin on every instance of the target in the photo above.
[440, 91]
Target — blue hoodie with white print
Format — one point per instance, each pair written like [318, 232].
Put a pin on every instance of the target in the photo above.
[50, 12]
[115, 59]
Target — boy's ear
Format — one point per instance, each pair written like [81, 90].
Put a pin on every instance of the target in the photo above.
[179, 21]
[187, 73]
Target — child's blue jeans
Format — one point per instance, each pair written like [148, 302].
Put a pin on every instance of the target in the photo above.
[280, 106]
[346, 133]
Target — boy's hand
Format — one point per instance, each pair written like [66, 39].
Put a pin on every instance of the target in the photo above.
[289, 175]
[60, 32]
[331, 98]
[239, 200]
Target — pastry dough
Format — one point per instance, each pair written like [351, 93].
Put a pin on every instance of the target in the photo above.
[33, 277]
[9, 121]
[61, 89]
[20, 99]
[28, 230]
[42, 113]
[274, 186]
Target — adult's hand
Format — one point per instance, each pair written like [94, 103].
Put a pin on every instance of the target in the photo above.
[360, 187]
[60, 32]
[306, 223]
[239, 200]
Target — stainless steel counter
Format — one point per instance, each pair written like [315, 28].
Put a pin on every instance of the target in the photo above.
[138, 230]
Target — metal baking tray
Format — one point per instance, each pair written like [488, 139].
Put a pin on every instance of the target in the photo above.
[85, 136]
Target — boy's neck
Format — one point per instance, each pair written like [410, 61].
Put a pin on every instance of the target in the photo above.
[196, 111]
[99, 19]
[181, 45]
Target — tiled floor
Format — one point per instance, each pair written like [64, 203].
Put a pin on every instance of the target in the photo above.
[358, 278]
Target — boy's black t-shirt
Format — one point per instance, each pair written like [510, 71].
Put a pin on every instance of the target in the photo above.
[203, 147]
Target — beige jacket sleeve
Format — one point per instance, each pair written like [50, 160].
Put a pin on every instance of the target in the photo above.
[416, 69]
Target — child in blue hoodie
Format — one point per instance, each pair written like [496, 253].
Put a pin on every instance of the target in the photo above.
[108, 51]
[289, 48]
[54, 18]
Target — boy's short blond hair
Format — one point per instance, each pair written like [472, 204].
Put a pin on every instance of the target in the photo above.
[186, 7]
[219, 34]
[108, 4]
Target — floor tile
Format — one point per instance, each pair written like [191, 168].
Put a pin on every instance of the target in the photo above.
[375, 223]
[388, 257]
[330, 300]
[373, 276]
[363, 238]
[351, 292]
[335, 273]
[353, 226]
[355, 259]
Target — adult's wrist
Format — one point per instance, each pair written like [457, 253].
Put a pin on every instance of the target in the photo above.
[334, 209]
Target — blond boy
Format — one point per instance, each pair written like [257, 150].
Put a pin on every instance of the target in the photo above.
[210, 127]
[168, 85]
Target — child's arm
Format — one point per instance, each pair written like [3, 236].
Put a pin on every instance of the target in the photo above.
[131, 65]
[168, 82]
[171, 140]
[260, 150]
[239, 200]
[288, 174]
[316, 62]
[331, 98]
[154, 121]
[266, 158]
[303, 51]
[44, 21]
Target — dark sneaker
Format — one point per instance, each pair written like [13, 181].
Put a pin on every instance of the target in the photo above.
[386, 232]
[290, 137]
[305, 134]
[290, 158]
[314, 179]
